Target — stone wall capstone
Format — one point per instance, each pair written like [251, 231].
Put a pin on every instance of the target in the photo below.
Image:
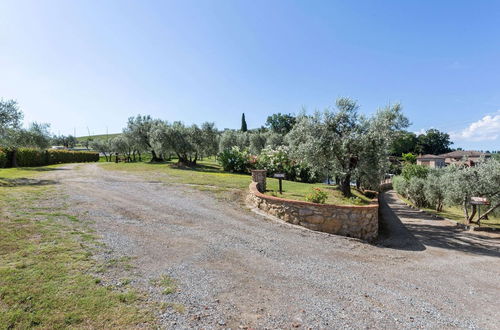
[347, 220]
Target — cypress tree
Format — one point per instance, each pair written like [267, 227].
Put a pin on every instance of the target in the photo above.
[243, 123]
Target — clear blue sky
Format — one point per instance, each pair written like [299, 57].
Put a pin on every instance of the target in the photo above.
[78, 64]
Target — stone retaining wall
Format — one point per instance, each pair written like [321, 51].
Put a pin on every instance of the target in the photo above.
[349, 220]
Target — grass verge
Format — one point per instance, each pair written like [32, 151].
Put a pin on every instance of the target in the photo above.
[46, 266]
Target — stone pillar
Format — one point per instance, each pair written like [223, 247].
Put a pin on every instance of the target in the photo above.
[259, 176]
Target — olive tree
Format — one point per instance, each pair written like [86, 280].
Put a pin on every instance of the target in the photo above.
[232, 138]
[10, 116]
[482, 180]
[435, 188]
[68, 141]
[257, 142]
[37, 135]
[210, 140]
[103, 146]
[141, 129]
[342, 143]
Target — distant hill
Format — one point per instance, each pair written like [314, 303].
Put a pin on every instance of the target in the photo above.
[95, 137]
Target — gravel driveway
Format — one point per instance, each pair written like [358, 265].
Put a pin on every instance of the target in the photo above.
[235, 268]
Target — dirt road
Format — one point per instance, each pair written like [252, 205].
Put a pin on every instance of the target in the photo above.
[235, 268]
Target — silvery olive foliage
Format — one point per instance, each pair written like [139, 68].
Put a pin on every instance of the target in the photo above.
[140, 129]
[13, 135]
[188, 143]
[434, 189]
[343, 144]
[233, 138]
[103, 146]
[454, 186]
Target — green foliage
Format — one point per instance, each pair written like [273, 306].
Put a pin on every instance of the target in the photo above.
[233, 138]
[3, 159]
[451, 186]
[412, 170]
[345, 145]
[28, 157]
[409, 158]
[103, 146]
[10, 115]
[235, 160]
[68, 156]
[416, 192]
[278, 160]
[400, 184]
[257, 142]
[68, 141]
[317, 196]
[433, 142]
[434, 189]
[281, 123]
[244, 127]
[404, 142]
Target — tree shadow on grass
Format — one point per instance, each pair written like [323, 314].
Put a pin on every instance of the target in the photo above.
[43, 169]
[197, 168]
[404, 228]
[19, 182]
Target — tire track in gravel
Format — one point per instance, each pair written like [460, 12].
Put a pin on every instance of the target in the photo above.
[235, 268]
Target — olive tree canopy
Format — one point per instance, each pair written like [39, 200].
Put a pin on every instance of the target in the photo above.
[342, 143]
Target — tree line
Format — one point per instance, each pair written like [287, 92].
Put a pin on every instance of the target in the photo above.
[337, 143]
[454, 185]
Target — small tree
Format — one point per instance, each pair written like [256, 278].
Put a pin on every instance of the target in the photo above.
[103, 146]
[257, 142]
[232, 138]
[434, 189]
[409, 158]
[482, 180]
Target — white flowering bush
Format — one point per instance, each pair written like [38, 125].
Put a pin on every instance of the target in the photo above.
[235, 160]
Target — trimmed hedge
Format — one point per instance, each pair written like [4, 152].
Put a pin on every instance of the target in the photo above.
[28, 157]
[3, 158]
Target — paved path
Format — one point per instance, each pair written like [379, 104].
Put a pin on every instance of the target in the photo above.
[234, 268]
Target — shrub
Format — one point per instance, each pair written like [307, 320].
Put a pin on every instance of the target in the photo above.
[317, 196]
[400, 185]
[55, 156]
[416, 193]
[235, 160]
[3, 158]
[411, 170]
[434, 190]
[278, 160]
[28, 157]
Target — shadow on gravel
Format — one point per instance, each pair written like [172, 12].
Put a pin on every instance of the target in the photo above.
[25, 182]
[404, 228]
[393, 233]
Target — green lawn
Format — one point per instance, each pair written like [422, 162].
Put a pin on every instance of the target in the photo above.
[209, 176]
[456, 213]
[46, 264]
